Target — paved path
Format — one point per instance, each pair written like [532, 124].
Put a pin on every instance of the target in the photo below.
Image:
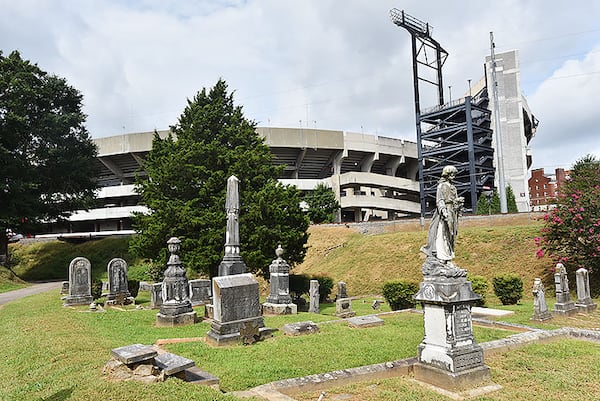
[31, 290]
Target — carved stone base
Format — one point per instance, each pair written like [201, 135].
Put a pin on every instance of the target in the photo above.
[279, 309]
[565, 309]
[586, 307]
[176, 320]
[232, 265]
[74, 300]
[454, 382]
[541, 316]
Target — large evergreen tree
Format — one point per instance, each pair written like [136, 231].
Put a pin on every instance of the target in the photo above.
[186, 185]
[322, 205]
[47, 158]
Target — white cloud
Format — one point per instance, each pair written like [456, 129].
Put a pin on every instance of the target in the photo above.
[344, 64]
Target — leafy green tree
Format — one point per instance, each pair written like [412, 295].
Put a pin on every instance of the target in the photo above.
[571, 232]
[186, 184]
[322, 204]
[493, 207]
[47, 158]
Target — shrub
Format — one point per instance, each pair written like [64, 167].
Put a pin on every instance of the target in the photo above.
[399, 294]
[508, 288]
[299, 284]
[480, 286]
[134, 287]
[96, 288]
[325, 287]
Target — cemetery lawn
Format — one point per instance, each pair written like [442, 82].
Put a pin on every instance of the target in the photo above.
[57, 353]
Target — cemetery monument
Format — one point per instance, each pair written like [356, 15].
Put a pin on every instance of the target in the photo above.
[313, 295]
[80, 282]
[563, 306]
[232, 262]
[176, 308]
[279, 301]
[236, 309]
[343, 304]
[584, 299]
[118, 290]
[540, 308]
[448, 356]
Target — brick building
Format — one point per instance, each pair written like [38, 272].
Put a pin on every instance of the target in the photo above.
[543, 189]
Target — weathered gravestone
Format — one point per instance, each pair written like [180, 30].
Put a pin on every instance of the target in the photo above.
[365, 321]
[313, 295]
[200, 292]
[584, 299]
[343, 304]
[156, 295]
[448, 356]
[236, 311]
[300, 328]
[279, 301]
[540, 308]
[563, 306]
[176, 309]
[118, 290]
[80, 282]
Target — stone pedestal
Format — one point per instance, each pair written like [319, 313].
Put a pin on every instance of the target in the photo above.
[176, 309]
[236, 311]
[448, 356]
[232, 264]
[584, 300]
[279, 301]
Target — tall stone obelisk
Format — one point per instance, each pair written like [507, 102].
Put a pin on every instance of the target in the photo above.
[232, 262]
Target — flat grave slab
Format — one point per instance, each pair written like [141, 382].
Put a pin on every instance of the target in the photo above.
[365, 321]
[134, 353]
[172, 364]
[296, 329]
[195, 375]
[477, 311]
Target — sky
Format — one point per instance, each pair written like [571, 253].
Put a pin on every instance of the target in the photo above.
[324, 64]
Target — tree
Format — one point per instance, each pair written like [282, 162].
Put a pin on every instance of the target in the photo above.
[186, 184]
[322, 204]
[47, 158]
[571, 232]
[493, 205]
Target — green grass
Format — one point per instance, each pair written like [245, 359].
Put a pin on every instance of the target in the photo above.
[561, 370]
[51, 351]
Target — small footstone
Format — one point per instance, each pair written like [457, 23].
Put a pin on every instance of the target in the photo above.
[134, 353]
[195, 375]
[172, 364]
[296, 329]
[365, 321]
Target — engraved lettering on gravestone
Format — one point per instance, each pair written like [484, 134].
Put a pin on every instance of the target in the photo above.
[462, 319]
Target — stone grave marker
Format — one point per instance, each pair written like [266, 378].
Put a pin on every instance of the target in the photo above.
[176, 309]
[156, 295]
[232, 262]
[80, 282]
[563, 306]
[343, 304]
[300, 328]
[118, 290]
[134, 353]
[584, 299]
[540, 308]
[200, 291]
[313, 295]
[236, 307]
[365, 321]
[172, 364]
[279, 301]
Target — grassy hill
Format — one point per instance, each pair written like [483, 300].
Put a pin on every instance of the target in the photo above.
[486, 247]
[366, 262]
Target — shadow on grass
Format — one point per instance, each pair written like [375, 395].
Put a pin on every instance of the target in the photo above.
[62, 395]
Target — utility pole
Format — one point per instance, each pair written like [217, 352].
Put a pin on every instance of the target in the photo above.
[498, 132]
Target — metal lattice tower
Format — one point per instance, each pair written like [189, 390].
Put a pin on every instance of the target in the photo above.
[455, 133]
